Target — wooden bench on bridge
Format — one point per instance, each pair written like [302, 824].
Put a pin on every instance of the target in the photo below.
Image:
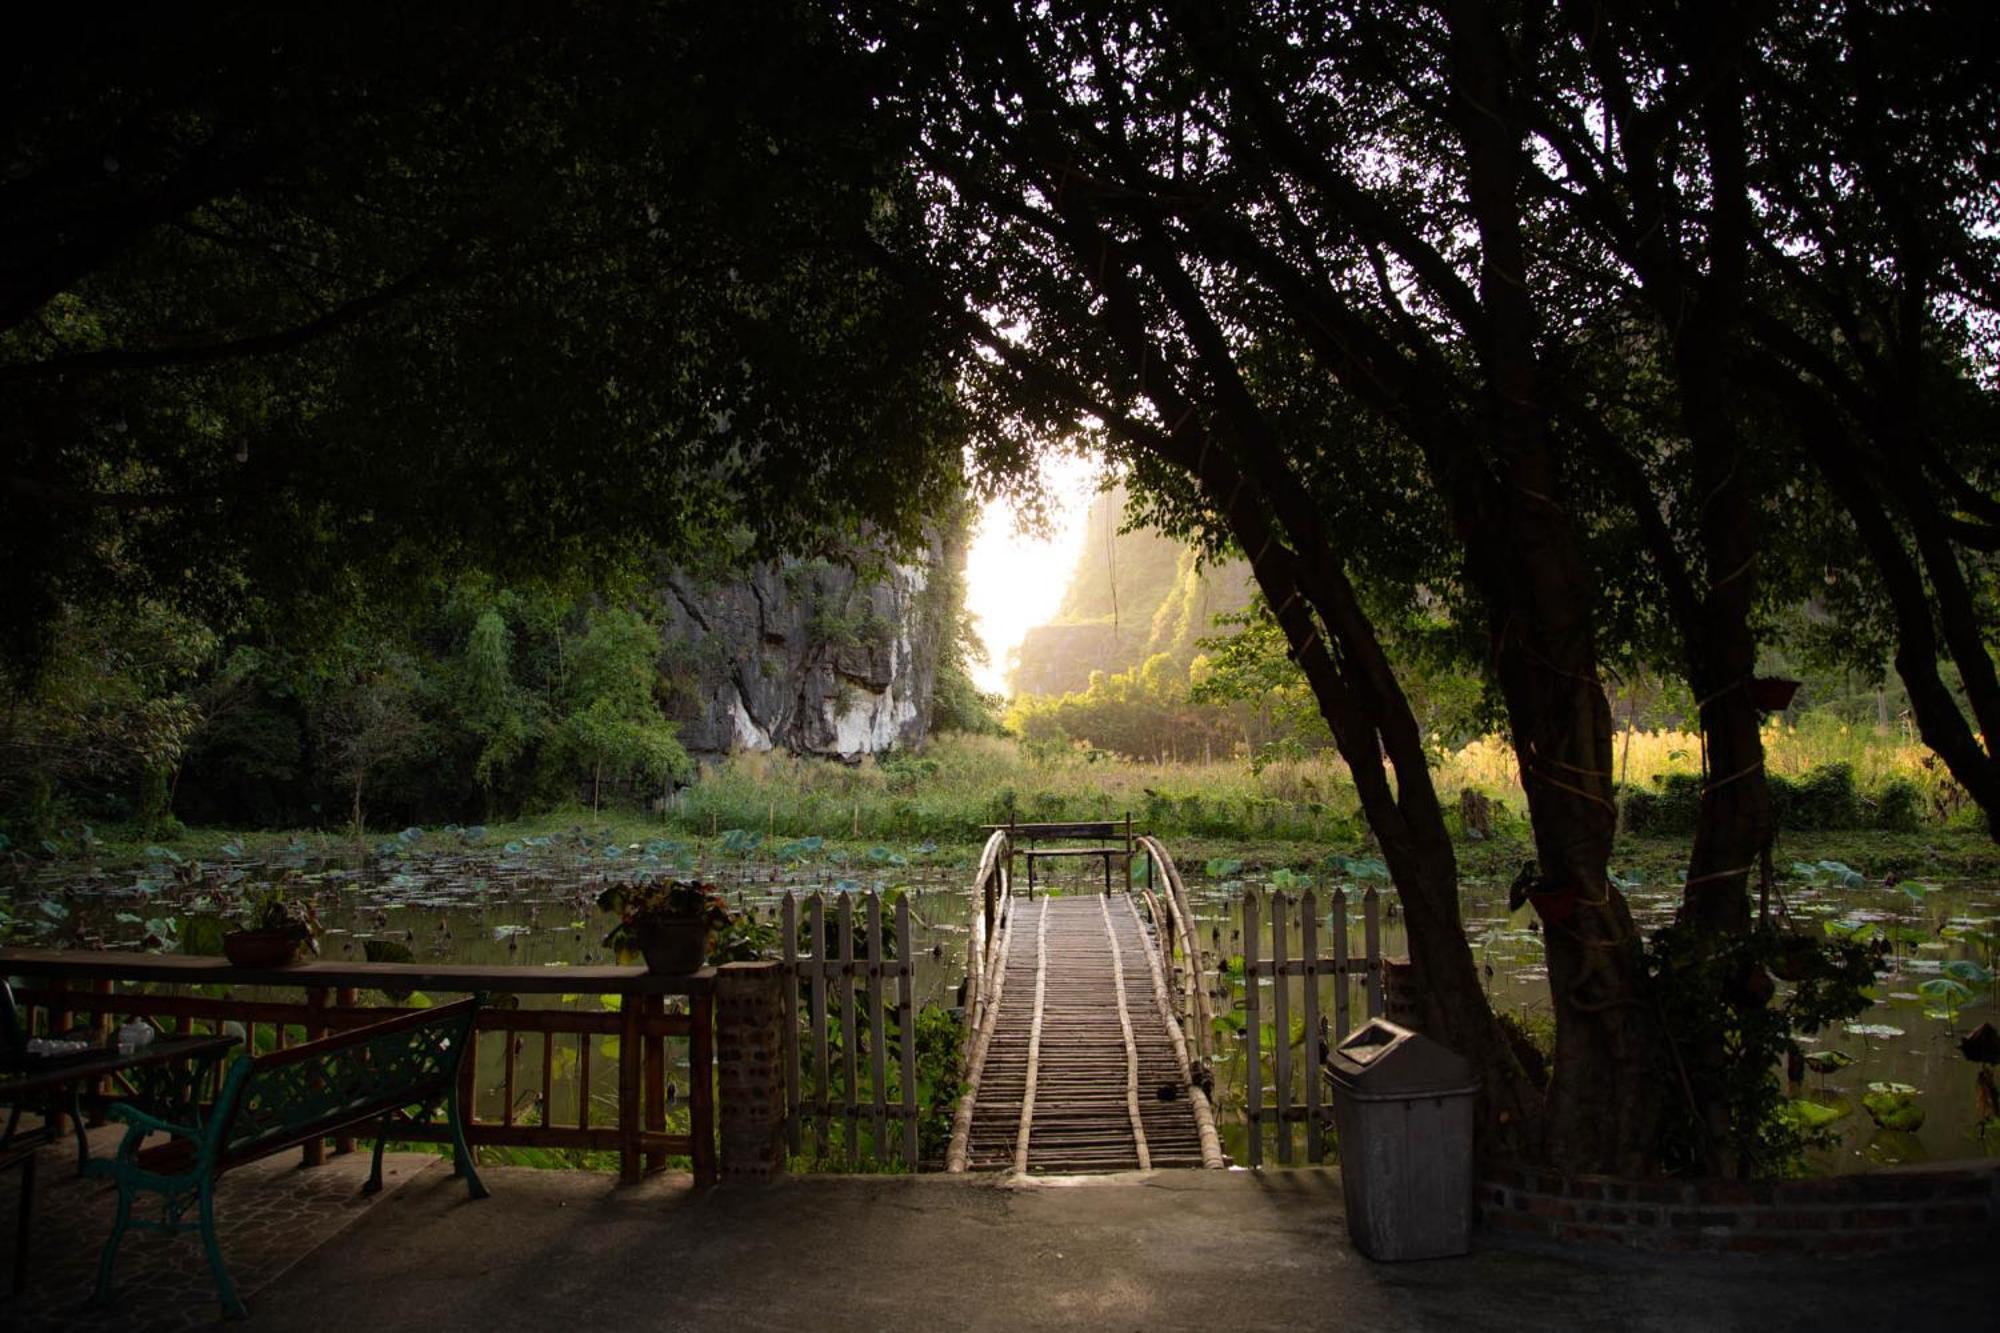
[290, 1097]
[1103, 830]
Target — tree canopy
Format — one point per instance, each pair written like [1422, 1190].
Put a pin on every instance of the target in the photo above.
[299, 307]
[1551, 337]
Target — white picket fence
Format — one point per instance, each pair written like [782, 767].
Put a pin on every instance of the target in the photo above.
[832, 1090]
[1339, 972]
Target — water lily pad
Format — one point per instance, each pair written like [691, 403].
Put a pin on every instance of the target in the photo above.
[1827, 1061]
[1894, 1106]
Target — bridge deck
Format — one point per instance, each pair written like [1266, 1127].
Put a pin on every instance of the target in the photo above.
[1080, 1040]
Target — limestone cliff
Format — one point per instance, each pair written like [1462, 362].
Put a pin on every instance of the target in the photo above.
[828, 656]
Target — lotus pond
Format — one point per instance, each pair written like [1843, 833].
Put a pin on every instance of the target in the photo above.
[1890, 1086]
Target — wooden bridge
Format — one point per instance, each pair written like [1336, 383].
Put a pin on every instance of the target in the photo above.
[1078, 1059]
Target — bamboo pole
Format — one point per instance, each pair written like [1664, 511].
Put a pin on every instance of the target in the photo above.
[982, 1038]
[1204, 1111]
[1034, 1038]
[1125, 1028]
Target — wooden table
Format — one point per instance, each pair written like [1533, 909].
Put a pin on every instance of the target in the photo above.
[49, 1075]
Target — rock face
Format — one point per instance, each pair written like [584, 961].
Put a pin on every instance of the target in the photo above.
[1132, 595]
[826, 657]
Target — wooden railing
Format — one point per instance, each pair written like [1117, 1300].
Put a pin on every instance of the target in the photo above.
[993, 890]
[110, 985]
[844, 991]
[1191, 1021]
[1343, 970]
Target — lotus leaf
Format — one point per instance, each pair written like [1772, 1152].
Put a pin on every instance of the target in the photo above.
[1893, 1106]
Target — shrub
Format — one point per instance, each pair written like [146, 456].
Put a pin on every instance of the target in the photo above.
[1899, 806]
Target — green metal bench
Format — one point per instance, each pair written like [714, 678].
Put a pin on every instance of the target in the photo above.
[272, 1102]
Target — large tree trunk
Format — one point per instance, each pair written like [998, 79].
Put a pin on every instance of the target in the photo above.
[1525, 557]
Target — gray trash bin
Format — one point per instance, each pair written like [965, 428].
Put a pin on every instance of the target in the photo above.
[1402, 1105]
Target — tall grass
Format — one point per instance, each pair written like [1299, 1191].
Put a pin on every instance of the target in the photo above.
[961, 782]
[1878, 756]
[958, 783]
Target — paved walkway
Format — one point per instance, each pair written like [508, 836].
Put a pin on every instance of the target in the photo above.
[269, 1215]
[1213, 1251]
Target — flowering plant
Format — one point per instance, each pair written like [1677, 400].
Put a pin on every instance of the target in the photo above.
[645, 905]
[270, 910]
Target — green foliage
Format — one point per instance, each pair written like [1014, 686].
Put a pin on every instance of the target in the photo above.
[1721, 991]
[940, 1051]
[1826, 798]
[1146, 712]
[375, 296]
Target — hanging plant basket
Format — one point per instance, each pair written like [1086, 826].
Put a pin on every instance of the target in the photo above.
[1772, 694]
[260, 948]
[674, 947]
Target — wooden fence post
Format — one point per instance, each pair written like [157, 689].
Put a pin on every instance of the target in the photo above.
[789, 924]
[1253, 1033]
[1309, 1056]
[906, 1021]
[1371, 921]
[878, 1035]
[315, 1025]
[1281, 1025]
[346, 997]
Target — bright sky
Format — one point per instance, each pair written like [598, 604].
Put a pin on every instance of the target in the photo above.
[1014, 580]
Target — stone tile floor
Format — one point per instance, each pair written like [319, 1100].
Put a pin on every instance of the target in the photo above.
[269, 1215]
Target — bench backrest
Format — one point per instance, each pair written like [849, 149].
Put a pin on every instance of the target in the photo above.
[272, 1101]
[1091, 828]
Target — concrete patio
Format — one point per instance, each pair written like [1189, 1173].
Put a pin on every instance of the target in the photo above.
[1170, 1250]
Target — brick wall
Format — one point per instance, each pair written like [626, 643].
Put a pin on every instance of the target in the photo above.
[1896, 1209]
[750, 1079]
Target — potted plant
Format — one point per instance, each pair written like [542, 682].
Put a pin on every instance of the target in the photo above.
[668, 922]
[274, 929]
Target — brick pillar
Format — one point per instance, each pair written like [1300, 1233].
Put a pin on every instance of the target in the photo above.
[749, 1050]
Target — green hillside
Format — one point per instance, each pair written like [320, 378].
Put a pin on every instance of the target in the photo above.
[1130, 596]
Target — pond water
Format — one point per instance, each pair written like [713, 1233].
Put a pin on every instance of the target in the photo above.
[1931, 931]
[452, 896]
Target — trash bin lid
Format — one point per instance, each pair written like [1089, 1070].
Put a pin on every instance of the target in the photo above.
[1382, 1060]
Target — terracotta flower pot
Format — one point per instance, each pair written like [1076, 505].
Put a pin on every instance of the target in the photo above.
[674, 948]
[260, 948]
